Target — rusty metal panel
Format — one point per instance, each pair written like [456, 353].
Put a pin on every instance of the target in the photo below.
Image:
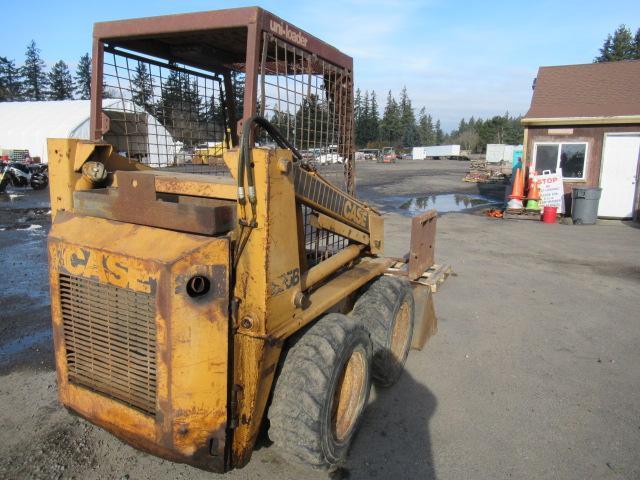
[134, 201]
[113, 277]
[423, 242]
[211, 186]
[320, 195]
[425, 320]
[110, 340]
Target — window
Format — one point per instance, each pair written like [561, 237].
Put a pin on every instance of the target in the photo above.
[570, 157]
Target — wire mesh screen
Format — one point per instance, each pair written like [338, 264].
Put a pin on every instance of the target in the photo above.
[319, 244]
[164, 114]
[310, 101]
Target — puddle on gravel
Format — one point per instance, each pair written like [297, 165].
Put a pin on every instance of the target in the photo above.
[10, 197]
[443, 203]
[21, 344]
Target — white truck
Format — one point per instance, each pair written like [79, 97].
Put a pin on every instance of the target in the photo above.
[435, 152]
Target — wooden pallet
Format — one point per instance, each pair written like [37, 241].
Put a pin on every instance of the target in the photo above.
[434, 276]
[525, 215]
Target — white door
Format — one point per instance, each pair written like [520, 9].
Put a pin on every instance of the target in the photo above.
[619, 175]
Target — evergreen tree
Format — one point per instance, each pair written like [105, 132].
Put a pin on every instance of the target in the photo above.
[620, 46]
[307, 118]
[373, 120]
[283, 122]
[462, 126]
[425, 128]
[407, 120]
[358, 118]
[179, 108]
[605, 51]
[365, 120]
[636, 45]
[60, 82]
[357, 106]
[391, 126]
[439, 134]
[10, 81]
[237, 82]
[83, 77]
[499, 129]
[142, 89]
[35, 78]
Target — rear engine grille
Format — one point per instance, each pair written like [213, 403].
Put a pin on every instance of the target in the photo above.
[110, 340]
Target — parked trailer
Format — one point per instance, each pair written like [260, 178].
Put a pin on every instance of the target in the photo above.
[436, 152]
[499, 152]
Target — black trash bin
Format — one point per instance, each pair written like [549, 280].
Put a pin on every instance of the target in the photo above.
[584, 205]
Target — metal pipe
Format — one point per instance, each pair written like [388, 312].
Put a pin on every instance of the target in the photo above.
[327, 267]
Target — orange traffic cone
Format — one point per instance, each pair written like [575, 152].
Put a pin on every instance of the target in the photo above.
[533, 197]
[517, 193]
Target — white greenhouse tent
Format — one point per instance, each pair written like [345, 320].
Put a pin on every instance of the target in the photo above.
[27, 125]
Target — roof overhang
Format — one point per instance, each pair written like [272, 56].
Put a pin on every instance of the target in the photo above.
[622, 119]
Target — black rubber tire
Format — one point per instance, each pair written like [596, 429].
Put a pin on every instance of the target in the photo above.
[300, 414]
[377, 308]
[39, 181]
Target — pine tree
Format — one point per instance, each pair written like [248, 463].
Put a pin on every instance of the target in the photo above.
[179, 108]
[357, 106]
[358, 118]
[407, 120]
[35, 78]
[83, 77]
[142, 90]
[390, 126]
[237, 82]
[10, 84]
[307, 118]
[425, 128]
[60, 82]
[605, 51]
[439, 134]
[462, 126]
[620, 46]
[636, 45]
[373, 121]
[363, 130]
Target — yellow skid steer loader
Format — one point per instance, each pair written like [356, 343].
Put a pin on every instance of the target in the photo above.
[192, 301]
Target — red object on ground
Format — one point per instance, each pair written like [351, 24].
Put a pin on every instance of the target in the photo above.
[549, 214]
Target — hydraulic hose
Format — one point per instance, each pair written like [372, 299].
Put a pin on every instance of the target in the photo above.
[244, 156]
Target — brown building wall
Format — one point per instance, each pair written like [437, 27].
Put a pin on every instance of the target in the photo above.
[593, 135]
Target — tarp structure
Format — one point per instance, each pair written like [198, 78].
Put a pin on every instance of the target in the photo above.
[27, 125]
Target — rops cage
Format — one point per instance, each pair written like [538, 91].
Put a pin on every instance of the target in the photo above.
[172, 92]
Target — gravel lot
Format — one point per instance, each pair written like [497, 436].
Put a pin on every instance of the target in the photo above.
[533, 373]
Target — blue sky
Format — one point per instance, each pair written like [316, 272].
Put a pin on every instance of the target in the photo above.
[456, 58]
